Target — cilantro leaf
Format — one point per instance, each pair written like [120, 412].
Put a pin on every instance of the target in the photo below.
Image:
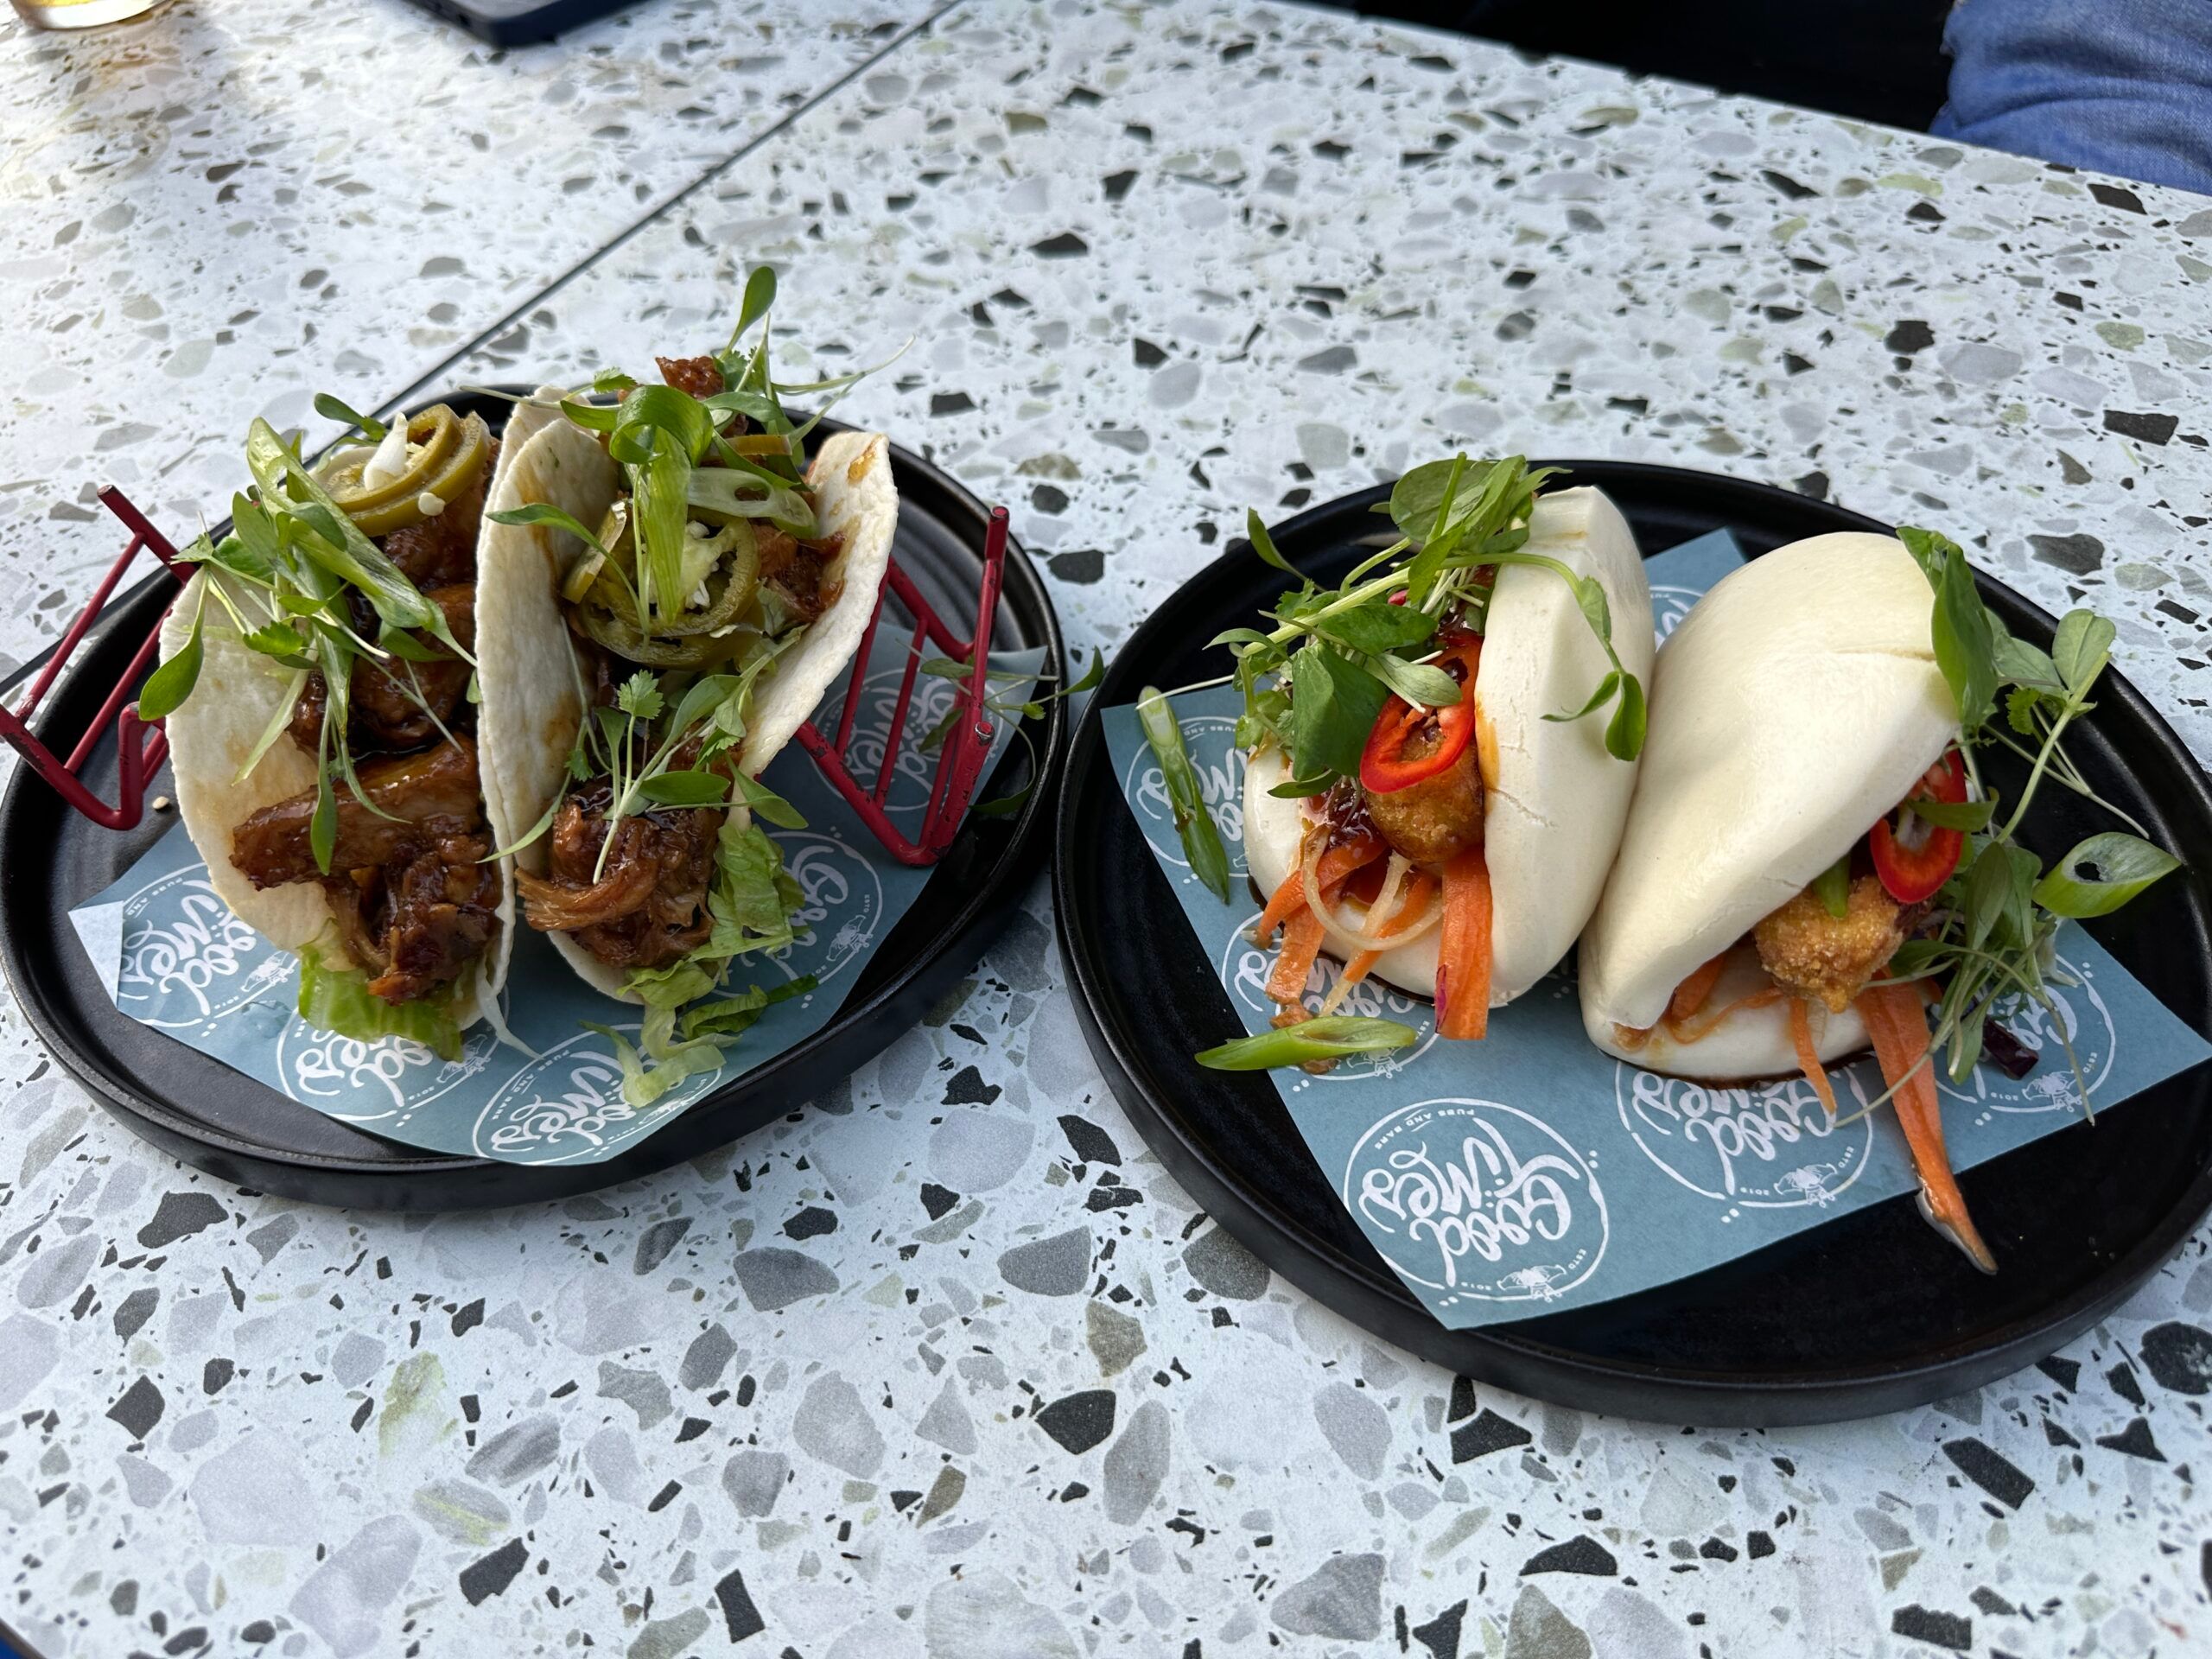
[640, 694]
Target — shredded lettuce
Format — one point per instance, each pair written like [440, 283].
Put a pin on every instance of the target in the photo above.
[339, 999]
[643, 1084]
[751, 902]
[707, 1030]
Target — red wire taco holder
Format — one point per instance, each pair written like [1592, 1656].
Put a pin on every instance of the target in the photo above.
[141, 746]
[966, 740]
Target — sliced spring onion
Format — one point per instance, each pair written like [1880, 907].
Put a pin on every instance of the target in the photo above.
[1332, 1039]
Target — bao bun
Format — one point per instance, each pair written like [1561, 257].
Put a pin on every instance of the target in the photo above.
[1553, 799]
[1797, 703]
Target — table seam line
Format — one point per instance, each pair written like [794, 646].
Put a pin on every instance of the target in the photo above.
[790, 118]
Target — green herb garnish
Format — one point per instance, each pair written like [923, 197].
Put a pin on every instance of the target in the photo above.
[1186, 796]
[1316, 682]
[1990, 940]
[1333, 1037]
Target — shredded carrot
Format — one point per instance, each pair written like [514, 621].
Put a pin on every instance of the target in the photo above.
[1289, 898]
[1337, 864]
[1897, 1021]
[1335, 867]
[1701, 1026]
[1301, 942]
[1410, 906]
[1464, 952]
[1689, 995]
[1801, 1037]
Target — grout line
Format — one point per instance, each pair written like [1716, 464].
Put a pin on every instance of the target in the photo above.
[22, 673]
[656, 213]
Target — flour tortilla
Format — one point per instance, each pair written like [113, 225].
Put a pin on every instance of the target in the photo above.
[856, 498]
[238, 692]
[1553, 799]
[532, 698]
[1798, 702]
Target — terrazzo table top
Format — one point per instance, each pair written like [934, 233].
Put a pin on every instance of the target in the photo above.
[945, 1364]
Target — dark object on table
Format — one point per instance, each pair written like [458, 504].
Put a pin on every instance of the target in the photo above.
[1866, 1314]
[2006, 1051]
[520, 22]
[198, 1110]
[1876, 60]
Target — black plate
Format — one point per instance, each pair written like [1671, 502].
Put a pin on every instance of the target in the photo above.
[215, 1119]
[1872, 1313]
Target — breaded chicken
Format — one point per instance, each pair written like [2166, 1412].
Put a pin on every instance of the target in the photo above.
[1811, 954]
[1432, 822]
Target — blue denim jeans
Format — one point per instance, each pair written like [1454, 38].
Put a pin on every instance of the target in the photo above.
[2118, 86]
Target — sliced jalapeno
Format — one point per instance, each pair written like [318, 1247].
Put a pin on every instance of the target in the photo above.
[448, 452]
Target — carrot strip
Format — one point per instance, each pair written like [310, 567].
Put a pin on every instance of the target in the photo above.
[1336, 867]
[1289, 898]
[1410, 906]
[1698, 1026]
[1690, 995]
[1337, 864]
[1897, 1021]
[1801, 1036]
[1301, 942]
[1464, 952]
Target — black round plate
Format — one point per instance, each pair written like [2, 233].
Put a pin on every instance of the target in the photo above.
[1871, 1312]
[212, 1117]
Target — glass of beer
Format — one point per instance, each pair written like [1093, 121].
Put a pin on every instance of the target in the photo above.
[80, 14]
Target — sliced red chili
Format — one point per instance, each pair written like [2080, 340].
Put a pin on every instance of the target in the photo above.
[1408, 744]
[1912, 870]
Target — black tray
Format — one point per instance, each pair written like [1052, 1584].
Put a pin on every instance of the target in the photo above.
[1872, 1313]
[212, 1117]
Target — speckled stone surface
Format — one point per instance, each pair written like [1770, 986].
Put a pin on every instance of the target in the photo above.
[218, 213]
[944, 1365]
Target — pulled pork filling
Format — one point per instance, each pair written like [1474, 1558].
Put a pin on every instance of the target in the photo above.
[646, 907]
[415, 902]
[633, 894]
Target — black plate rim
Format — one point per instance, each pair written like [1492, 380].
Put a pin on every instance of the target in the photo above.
[1376, 1300]
[458, 1181]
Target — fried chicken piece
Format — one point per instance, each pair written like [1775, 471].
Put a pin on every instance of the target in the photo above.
[1811, 954]
[1434, 821]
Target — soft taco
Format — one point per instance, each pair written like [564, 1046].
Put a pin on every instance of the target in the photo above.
[316, 682]
[673, 584]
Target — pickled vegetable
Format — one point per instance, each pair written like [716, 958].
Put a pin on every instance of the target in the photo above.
[446, 452]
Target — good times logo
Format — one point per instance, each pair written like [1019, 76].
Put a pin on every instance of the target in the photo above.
[1768, 1147]
[1479, 1201]
[841, 910]
[370, 1082]
[2049, 1087]
[914, 775]
[187, 960]
[1211, 740]
[566, 1106]
[1245, 970]
[1668, 606]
